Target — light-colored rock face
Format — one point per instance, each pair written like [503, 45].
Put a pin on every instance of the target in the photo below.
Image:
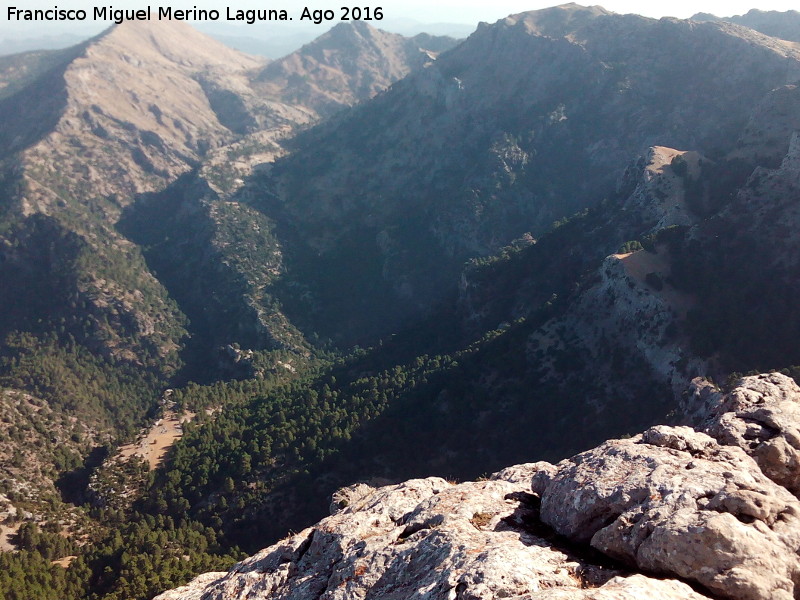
[628, 321]
[623, 310]
[674, 501]
[762, 416]
[700, 399]
[127, 114]
[595, 90]
[146, 102]
[427, 539]
[635, 587]
[660, 193]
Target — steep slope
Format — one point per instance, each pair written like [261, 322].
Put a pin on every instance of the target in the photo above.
[222, 259]
[101, 141]
[782, 25]
[590, 328]
[18, 70]
[114, 138]
[350, 63]
[118, 156]
[596, 327]
[82, 142]
[749, 250]
[85, 326]
[478, 148]
[542, 345]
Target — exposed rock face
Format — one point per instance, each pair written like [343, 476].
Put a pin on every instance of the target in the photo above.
[674, 501]
[133, 116]
[762, 416]
[699, 400]
[671, 502]
[623, 314]
[344, 497]
[659, 195]
[628, 315]
[427, 539]
[126, 116]
[116, 126]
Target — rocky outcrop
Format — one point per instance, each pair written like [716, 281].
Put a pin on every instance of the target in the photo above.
[673, 503]
[716, 510]
[762, 417]
[659, 187]
[631, 311]
[428, 539]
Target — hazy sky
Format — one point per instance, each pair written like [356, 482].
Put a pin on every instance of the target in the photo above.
[454, 11]
[481, 10]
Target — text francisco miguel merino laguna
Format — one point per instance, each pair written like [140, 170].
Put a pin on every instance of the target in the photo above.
[109, 13]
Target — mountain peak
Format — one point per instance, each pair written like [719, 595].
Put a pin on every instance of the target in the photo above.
[175, 41]
[350, 63]
[360, 27]
[133, 88]
[558, 21]
[782, 25]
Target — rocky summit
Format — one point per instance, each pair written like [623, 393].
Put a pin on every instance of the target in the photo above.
[675, 512]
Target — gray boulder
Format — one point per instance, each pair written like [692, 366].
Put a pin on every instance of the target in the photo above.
[673, 501]
[762, 416]
[429, 540]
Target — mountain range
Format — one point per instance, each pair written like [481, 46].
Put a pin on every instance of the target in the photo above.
[374, 259]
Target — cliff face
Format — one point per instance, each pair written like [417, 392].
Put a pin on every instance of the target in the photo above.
[478, 148]
[634, 518]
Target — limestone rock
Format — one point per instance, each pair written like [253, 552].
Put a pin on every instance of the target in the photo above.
[344, 497]
[429, 540]
[523, 473]
[762, 416]
[699, 400]
[635, 587]
[193, 591]
[673, 501]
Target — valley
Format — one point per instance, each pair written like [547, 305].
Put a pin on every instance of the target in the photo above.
[153, 444]
[234, 285]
